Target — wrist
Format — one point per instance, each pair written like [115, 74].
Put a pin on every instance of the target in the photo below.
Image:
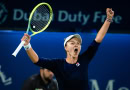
[27, 47]
[109, 20]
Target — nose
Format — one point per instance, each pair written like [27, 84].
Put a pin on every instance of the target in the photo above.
[76, 45]
[51, 74]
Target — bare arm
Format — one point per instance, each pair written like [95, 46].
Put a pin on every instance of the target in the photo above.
[31, 53]
[102, 32]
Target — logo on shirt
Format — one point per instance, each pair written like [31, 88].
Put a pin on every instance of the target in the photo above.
[77, 64]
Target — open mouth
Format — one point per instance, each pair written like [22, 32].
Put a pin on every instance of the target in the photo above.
[76, 50]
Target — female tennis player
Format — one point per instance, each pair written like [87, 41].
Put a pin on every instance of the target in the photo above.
[71, 72]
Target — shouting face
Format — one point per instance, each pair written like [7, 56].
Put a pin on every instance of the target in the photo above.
[73, 47]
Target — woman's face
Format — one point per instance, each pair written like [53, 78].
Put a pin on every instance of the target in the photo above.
[73, 47]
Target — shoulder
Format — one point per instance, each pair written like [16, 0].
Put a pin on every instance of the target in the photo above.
[56, 60]
[60, 60]
[54, 83]
[52, 59]
[34, 77]
[94, 43]
[31, 80]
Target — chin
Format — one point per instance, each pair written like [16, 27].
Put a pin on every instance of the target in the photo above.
[76, 56]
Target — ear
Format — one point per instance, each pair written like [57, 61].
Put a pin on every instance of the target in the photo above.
[66, 48]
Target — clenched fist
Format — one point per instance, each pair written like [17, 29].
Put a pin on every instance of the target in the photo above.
[26, 38]
[110, 13]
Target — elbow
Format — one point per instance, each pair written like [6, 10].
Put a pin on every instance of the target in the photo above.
[98, 40]
[35, 59]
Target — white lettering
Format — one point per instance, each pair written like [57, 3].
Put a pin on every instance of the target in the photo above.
[123, 88]
[96, 16]
[26, 17]
[18, 14]
[94, 84]
[79, 16]
[103, 18]
[1, 12]
[72, 19]
[64, 16]
[85, 18]
[37, 16]
[118, 19]
[5, 80]
[110, 85]
[61, 14]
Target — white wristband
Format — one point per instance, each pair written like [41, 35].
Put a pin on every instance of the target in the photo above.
[27, 47]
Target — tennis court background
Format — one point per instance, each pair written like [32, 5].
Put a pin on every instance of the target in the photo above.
[109, 69]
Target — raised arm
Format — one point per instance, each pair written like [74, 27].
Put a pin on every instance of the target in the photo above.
[31, 53]
[102, 32]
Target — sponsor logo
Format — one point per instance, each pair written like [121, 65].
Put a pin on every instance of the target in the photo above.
[109, 86]
[65, 16]
[6, 81]
[3, 13]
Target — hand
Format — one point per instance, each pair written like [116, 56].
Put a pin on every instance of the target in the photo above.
[26, 38]
[110, 13]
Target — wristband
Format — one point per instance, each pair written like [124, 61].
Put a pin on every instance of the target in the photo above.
[109, 20]
[27, 47]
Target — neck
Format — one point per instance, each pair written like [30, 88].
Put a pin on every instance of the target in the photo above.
[44, 80]
[71, 60]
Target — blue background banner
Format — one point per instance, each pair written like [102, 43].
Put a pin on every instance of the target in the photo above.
[109, 69]
[84, 15]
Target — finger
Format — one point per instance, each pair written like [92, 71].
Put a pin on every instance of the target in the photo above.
[27, 36]
[111, 12]
[23, 38]
[108, 10]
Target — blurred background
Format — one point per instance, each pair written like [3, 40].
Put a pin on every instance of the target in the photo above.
[109, 69]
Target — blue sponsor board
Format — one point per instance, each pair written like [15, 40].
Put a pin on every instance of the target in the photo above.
[109, 69]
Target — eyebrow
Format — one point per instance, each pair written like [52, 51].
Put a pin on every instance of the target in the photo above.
[71, 41]
[74, 41]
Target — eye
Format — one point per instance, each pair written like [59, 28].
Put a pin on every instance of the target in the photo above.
[78, 43]
[48, 70]
[72, 43]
